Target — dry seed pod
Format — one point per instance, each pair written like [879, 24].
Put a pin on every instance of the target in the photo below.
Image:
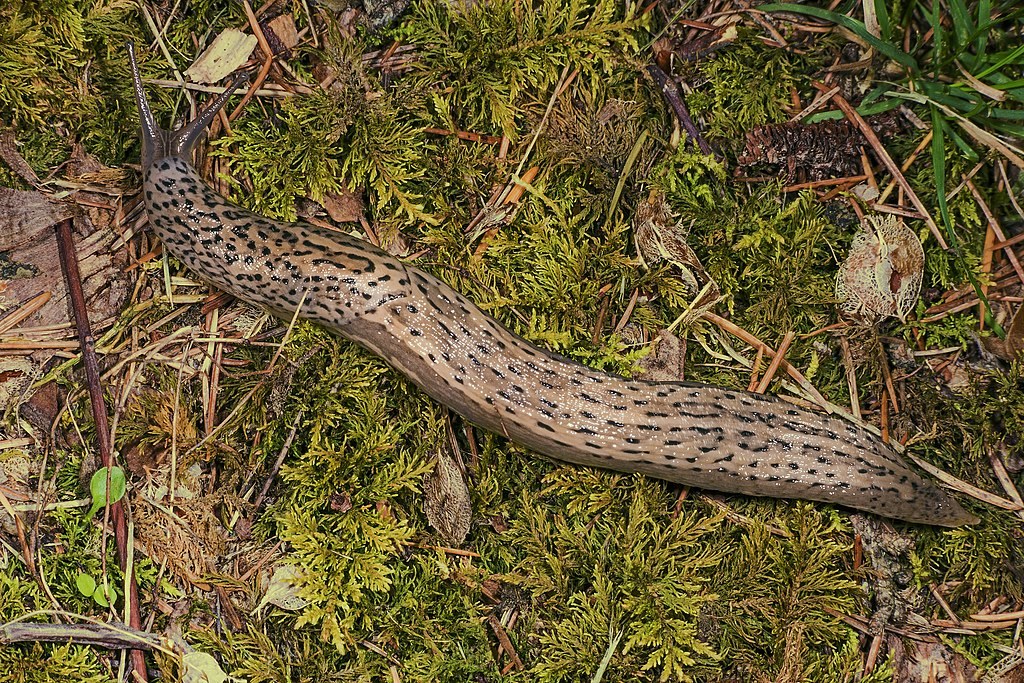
[446, 500]
[882, 274]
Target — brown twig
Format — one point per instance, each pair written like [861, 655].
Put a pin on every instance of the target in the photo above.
[670, 91]
[69, 264]
[280, 460]
[754, 342]
[851, 377]
[15, 317]
[876, 144]
[780, 355]
[824, 183]
[993, 225]
[111, 636]
[504, 641]
[465, 135]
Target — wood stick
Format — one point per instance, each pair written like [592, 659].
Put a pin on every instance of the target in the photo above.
[73, 279]
[110, 636]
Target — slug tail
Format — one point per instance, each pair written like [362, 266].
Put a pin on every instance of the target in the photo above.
[154, 138]
[185, 139]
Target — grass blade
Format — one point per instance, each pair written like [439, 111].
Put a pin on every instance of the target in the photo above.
[854, 25]
[963, 25]
[939, 125]
[884, 22]
[984, 20]
[935, 19]
[1011, 56]
[939, 167]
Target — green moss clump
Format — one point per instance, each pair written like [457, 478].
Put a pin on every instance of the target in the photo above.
[497, 58]
[746, 86]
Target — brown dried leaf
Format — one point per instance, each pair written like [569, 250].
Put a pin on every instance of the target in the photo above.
[1014, 342]
[659, 238]
[882, 274]
[446, 500]
[917, 661]
[344, 207]
[667, 360]
[280, 33]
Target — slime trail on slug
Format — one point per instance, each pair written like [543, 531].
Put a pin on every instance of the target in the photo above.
[693, 434]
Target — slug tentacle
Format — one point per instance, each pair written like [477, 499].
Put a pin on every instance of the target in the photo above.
[154, 138]
[157, 142]
[694, 434]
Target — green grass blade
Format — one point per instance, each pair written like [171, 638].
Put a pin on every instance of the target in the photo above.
[1010, 130]
[864, 110]
[984, 21]
[854, 25]
[938, 39]
[963, 25]
[1012, 56]
[884, 22]
[939, 167]
[939, 125]
[961, 144]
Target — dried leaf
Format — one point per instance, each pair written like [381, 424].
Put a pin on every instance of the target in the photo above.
[658, 238]
[199, 667]
[344, 207]
[227, 52]
[1014, 342]
[16, 377]
[666, 361]
[283, 590]
[882, 274]
[446, 500]
[280, 33]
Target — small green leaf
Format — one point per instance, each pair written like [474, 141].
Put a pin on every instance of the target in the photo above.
[86, 584]
[100, 598]
[98, 488]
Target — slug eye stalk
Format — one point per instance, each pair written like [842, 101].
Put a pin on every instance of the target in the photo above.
[157, 142]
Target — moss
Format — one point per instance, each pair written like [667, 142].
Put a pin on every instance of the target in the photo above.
[496, 59]
[746, 86]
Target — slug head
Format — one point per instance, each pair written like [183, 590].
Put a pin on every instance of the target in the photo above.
[158, 143]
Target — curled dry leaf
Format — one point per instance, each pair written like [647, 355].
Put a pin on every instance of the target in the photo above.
[882, 274]
[446, 500]
[227, 52]
[346, 206]
[659, 237]
[200, 667]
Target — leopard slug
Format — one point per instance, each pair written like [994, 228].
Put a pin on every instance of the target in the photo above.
[693, 434]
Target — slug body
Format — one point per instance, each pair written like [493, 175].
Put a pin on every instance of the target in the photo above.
[693, 434]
